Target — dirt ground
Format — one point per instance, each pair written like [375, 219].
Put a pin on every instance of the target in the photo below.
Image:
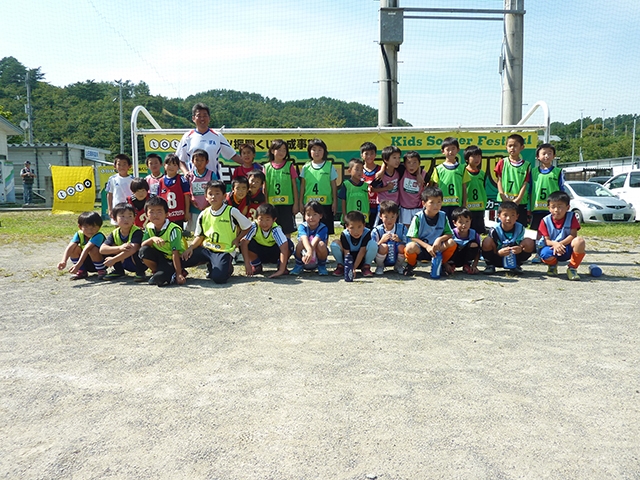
[388, 378]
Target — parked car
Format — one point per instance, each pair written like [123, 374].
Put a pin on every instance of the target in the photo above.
[627, 187]
[600, 180]
[592, 202]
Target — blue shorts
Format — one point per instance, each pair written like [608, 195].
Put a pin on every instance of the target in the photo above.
[547, 252]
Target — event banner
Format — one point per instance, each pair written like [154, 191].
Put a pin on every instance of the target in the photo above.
[74, 189]
[344, 146]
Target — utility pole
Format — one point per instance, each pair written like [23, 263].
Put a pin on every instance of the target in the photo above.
[29, 115]
[119, 82]
[603, 110]
[513, 60]
[391, 32]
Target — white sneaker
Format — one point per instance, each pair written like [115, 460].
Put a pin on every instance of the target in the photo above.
[379, 270]
[399, 267]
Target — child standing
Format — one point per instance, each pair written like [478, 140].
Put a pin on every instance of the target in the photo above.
[84, 248]
[247, 155]
[266, 243]
[139, 197]
[318, 182]
[218, 232]
[560, 230]
[368, 152]
[506, 239]
[238, 197]
[391, 238]
[154, 164]
[354, 191]
[281, 187]
[545, 180]
[430, 232]
[121, 247]
[119, 185]
[355, 240]
[513, 177]
[162, 245]
[256, 191]
[311, 250]
[198, 177]
[388, 178]
[468, 243]
[448, 177]
[476, 193]
[175, 190]
[412, 182]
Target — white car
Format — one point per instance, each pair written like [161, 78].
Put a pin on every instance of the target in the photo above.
[591, 202]
[627, 187]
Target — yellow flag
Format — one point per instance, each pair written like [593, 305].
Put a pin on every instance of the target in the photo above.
[74, 189]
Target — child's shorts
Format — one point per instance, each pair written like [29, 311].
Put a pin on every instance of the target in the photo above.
[547, 253]
[424, 255]
[406, 214]
[268, 254]
[536, 218]
[285, 218]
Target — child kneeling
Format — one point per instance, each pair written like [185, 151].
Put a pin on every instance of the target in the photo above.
[266, 243]
[355, 240]
[561, 243]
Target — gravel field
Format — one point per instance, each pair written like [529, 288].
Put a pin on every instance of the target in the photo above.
[386, 378]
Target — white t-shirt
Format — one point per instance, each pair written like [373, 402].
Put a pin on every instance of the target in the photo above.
[119, 187]
[211, 141]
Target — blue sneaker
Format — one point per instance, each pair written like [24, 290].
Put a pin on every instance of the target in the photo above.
[322, 270]
[297, 270]
[536, 259]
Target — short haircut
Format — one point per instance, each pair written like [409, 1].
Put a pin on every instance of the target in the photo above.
[249, 146]
[240, 181]
[508, 205]
[200, 153]
[460, 212]
[313, 205]
[200, 106]
[559, 196]
[156, 202]
[267, 209]
[172, 158]
[139, 183]
[389, 206]
[447, 142]
[355, 161]
[431, 192]
[122, 156]
[258, 174]
[276, 145]
[412, 154]
[388, 151]
[368, 147]
[545, 145]
[316, 142]
[354, 216]
[153, 155]
[88, 219]
[517, 137]
[471, 151]
[120, 208]
[219, 184]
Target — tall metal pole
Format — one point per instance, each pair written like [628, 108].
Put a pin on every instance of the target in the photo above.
[513, 60]
[121, 115]
[388, 105]
[633, 143]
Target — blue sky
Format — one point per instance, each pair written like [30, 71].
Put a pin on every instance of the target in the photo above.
[578, 55]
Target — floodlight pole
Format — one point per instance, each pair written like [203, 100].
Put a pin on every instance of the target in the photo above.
[388, 103]
[513, 59]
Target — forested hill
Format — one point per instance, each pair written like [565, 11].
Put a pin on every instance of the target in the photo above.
[88, 112]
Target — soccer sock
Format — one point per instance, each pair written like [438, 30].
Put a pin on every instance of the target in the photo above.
[99, 266]
[322, 262]
[550, 261]
[74, 260]
[299, 261]
[400, 259]
[576, 259]
[448, 253]
[257, 262]
[380, 259]
[412, 258]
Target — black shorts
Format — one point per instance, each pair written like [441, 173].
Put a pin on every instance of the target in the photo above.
[285, 218]
[268, 254]
[328, 218]
[536, 218]
[477, 222]
[424, 255]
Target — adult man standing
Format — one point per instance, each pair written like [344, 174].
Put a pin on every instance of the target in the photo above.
[205, 138]
[28, 176]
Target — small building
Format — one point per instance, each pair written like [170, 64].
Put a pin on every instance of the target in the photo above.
[7, 175]
[43, 155]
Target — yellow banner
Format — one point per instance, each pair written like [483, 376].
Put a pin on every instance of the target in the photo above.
[74, 190]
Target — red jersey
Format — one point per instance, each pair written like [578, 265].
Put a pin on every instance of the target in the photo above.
[138, 206]
[242, 205]
[242, 171]
[369, 176]
[173, 190]
[254, 203]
